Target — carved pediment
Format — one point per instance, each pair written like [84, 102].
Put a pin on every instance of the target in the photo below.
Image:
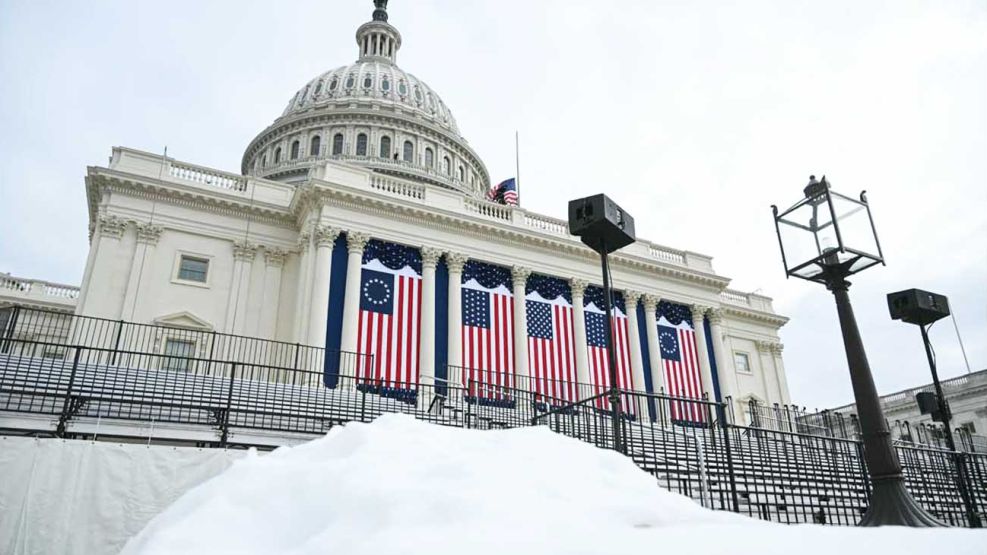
[185, 320]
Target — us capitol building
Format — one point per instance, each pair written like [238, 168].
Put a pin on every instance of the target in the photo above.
[366, 174]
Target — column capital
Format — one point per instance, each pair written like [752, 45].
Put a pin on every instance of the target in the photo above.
[698, 312]
[578, 286]
[244, 250]
[455, 261]
[430, 256]
[324, 235]
[148, 233]
[520, 275]
[715, 316]
[651, 303]
[631, 297]
[777, 348]
[274, 257]
[765, 346]
[356, 241]
[112, 226]
[304, 241]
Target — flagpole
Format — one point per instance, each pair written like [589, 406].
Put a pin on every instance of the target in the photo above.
[517, 168]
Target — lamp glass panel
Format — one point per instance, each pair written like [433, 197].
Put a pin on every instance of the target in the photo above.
[806, 231]
[853, 219]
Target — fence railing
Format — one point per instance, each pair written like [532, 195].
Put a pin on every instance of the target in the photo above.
[118, 373]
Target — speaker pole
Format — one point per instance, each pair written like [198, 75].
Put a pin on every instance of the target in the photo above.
[611, 351]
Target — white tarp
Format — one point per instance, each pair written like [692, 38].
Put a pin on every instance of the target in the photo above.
[83, 497]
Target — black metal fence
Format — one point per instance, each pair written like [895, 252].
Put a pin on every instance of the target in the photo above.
[83, 377]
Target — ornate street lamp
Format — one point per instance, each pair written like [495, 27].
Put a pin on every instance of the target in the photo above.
[826, 237]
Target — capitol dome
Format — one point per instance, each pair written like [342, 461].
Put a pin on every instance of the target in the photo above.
[372, 114]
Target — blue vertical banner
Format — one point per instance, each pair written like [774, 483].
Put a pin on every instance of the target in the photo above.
[334, 315]
[441, 326]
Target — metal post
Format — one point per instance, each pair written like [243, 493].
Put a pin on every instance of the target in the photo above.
[890, 501]
[116, 342]
[225, 424]
[67, 408]
[735, 500]
[957, 458]
[611, 351]
[9, 332]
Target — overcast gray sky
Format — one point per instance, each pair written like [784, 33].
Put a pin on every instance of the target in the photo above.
[697, 116]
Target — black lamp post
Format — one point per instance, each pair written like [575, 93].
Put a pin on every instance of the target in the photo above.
[826, 237]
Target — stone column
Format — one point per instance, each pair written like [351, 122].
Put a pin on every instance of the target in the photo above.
[147, 239]
[698, 316]
[634, 340]
[455, 263]
[578, 287]
[95, 298]
[426, 349]
[724, 366]
[303, 286]
[271, 300]
[355, 242]
[323, 238]
[244, 253]
[779, 367]
[772, 389]
[651, 323]
[520, 280]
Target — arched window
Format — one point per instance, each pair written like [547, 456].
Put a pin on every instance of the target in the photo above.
[429, 157]
[385, 147]
[368, 81]
[385, 84]
[337, 143]
[318, 88]
[277, 155]
[402, 87]
[409, 151]
[333, 84]
[350, 81]
[263, 161]
[446, 168]
[314, 146]
[294, 150]
[418, 94]
[361, 144]
[462, 174]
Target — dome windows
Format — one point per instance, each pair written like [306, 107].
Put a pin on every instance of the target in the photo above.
[418, 94]
[385, 147]
[462, 174]
[318, 88]
[277, 155]
[368, 81]
[263, 161]
[314, 146]
[334, 83]
[385, 84]
[294, 150]
[403, 88]
[446, 167]
[409, 151]
[350, 81]
[429, 157]
[361, 144]
[337, 144]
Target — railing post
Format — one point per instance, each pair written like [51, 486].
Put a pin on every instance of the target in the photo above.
[969, 502]
[734, 499]
[212, 353]
[67, 405]
[469, 407]
[9, 332]
[225, 424]
[116, 342]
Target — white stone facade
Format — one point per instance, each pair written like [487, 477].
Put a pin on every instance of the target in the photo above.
[267, 236]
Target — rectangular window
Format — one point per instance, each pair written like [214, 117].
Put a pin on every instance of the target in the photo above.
[175, 352]
[191, 268]
[969, 427]
[742, 363]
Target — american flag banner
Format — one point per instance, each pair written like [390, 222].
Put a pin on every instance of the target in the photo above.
[680, 361]
[596, 340]
[390, 317]
[551, 346]
[488, 330]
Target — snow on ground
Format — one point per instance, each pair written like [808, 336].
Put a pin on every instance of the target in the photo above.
[399, 486]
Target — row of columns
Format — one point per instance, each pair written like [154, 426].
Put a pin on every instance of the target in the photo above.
[323, 238]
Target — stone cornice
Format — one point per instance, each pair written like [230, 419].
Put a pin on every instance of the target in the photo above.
[101, 180]
[758, 316]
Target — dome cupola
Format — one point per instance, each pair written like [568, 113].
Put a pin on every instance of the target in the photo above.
[372, 114]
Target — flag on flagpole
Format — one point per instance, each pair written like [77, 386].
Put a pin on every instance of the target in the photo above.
[504, 193]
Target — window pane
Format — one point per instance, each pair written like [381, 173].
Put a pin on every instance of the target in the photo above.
[385, 147]
[337, 143]
[741, 363]
[175, 349]
[409, 151]
[361, 144]
[193, 269]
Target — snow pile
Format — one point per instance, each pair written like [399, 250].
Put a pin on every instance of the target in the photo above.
[402, 486]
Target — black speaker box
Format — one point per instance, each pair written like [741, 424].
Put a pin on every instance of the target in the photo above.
[600, 223]
[917, 307]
